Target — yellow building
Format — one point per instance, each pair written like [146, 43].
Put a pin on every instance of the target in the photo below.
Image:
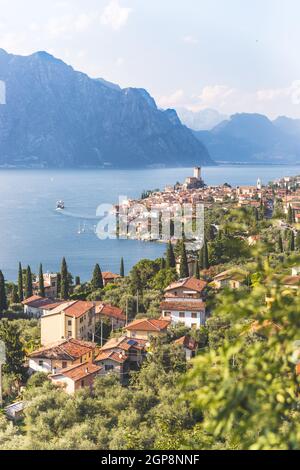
[75, 319]
[146, 328]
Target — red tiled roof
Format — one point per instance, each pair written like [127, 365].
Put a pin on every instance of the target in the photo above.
[189, 283]
[148, 325]
[41, 302]
[108, 275]
[78, 308]
[291, 281]
[111, 311]
[65, 350]
[78, 372]
[124, 344]
[182, 306]
[113, 356]
[187, 342]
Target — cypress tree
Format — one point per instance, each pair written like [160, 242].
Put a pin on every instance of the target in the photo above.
[197, 274]
[297, 242]
[97, 280]
[28, 283]
[41, 282]
[170, 257]
[184, 267]
[20, 284]
[290, 215]
[204, 252]
[14, 295]
[292, 241]
[162, 263]
[64, 280]
[122, 268]
[77, 281]
[280, 244]
[3, 298]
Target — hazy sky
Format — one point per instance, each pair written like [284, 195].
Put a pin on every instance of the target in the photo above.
[230, 55]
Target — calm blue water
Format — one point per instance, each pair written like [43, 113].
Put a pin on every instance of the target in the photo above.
[31, 231]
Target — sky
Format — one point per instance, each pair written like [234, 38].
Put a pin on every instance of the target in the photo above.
[229, 55]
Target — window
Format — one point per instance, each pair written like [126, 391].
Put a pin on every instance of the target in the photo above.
[69, 322]
[82, 383]
[109, 367]
[41, 363]
[64, 364]
[194, 315]
[69, 334]
[181, 314]
[167, 314]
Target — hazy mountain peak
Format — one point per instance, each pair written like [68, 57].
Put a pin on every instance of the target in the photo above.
[205, 119]
[58, 117]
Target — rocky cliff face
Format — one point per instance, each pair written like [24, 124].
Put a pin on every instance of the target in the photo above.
[57, 117]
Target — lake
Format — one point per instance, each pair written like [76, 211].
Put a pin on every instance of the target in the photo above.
[32, 231]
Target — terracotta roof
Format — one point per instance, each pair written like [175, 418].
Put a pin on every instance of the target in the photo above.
[189, 283]
[75, 308]
[41, 302]
[148, 325]
[182, 306]
[124, 344]
[187, 342]
[66, 350]
[108, 275]
[230, 274]
[111, 311]
[78, 372]
[113, 356]
[291, 281]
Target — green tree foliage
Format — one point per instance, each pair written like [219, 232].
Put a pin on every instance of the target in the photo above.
[64, 280]
[11, 336]
[290, 215]
[184, 267]
[97, 279]
[297, 241]
[3, 298]
[203, 255]
[122, 268]
[291, 241]
[280, 244]
[163, 278]
[14, 295]
[142, 273]
[170, 257]
[41, 282]
[28, 283]
[20, 284]
[246, 386]
[197, 273]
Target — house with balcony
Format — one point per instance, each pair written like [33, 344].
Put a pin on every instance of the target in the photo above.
[66, 353]
[184, 303]
[74, 319]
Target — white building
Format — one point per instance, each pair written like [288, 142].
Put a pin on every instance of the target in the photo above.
[190, 312]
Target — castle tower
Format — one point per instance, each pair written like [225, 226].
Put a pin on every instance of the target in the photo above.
[259, 185]
[197, 172]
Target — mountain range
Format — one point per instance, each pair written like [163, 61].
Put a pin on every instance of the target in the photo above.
[253, 138]
[203, 120]
[57, 117]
